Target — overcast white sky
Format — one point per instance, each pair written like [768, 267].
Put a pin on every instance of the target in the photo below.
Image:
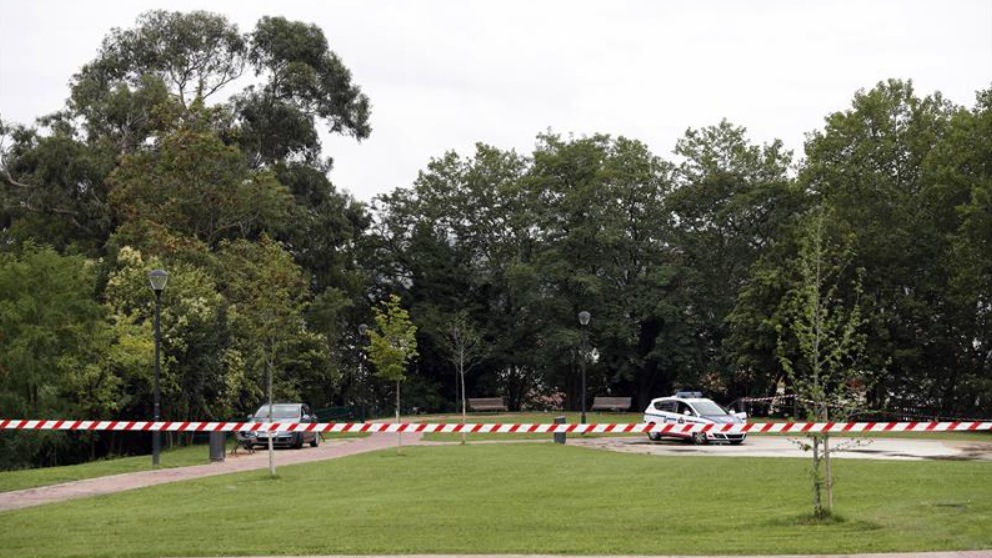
[444, 74]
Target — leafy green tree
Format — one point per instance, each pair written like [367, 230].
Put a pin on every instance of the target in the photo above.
[958, 195]
[393, 344]
[268, 299]
[458, 240]
[731, 203]
[200, 379]
[158, 160]
[194, 54]
[150, 86]
[604, 247]
[304, 81]
[52, 351]
[821, 346]
[194, 186]
[868, 168]
[52, 189]
[268, 295]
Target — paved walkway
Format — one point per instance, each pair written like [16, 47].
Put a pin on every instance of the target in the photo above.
[236, 463]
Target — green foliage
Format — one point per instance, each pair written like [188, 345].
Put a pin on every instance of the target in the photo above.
[197, 358]
[733, 202]
[826, 346]
[52, 190]
[684, 267]
[195, 54]
[195, 186]
[53, 347]
[393, 342]
[821, 346]
[268, 298]
[304, 81]
[877, 166]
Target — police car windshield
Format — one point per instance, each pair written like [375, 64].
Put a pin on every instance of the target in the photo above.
[708, 408]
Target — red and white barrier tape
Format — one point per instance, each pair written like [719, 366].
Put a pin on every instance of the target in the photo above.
[493, 428]
[772, 399]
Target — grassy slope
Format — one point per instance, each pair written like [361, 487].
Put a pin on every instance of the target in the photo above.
[523, 499]
[179, 457]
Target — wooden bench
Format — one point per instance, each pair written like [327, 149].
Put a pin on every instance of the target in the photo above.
[611, 403]
[486, 404]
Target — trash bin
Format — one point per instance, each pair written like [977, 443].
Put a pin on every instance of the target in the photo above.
[218, 446]
[559, 436]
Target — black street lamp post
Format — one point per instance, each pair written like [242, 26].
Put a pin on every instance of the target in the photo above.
[584, 322]
[158, 279]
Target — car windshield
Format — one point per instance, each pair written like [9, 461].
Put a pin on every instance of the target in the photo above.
[708, 408]
[279, 412]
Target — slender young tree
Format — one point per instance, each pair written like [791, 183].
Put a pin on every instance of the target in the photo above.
[820, 346]
[464, 347]
[393, 344]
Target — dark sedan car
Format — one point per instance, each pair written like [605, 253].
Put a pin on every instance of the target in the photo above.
[283, 412]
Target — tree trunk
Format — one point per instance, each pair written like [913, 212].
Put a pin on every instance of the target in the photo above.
[461, 372]
[399, 435]
[272, 451]
[817, 479]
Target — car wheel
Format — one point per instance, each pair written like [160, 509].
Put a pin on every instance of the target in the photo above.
[699, 438]
[316, 440]
[654, 436]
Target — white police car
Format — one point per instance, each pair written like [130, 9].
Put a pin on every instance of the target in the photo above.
[691, 407]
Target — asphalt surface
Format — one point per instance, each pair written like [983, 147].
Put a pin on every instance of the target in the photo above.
[913, 449]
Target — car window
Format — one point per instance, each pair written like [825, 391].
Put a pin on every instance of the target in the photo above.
[279, 412]
[667, 406]
[708, 408]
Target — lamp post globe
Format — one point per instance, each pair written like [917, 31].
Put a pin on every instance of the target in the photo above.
[584, 322]
[158, 279]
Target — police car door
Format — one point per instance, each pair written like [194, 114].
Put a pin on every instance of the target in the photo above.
[665, 410]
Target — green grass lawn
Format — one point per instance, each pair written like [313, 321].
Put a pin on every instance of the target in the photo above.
[30, 478]
[530, 498]
[197, 455]
[178, 457]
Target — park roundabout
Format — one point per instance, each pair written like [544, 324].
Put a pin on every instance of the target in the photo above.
[784, 446]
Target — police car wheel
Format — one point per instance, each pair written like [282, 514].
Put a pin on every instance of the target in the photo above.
[699, 438]
[654, 436]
